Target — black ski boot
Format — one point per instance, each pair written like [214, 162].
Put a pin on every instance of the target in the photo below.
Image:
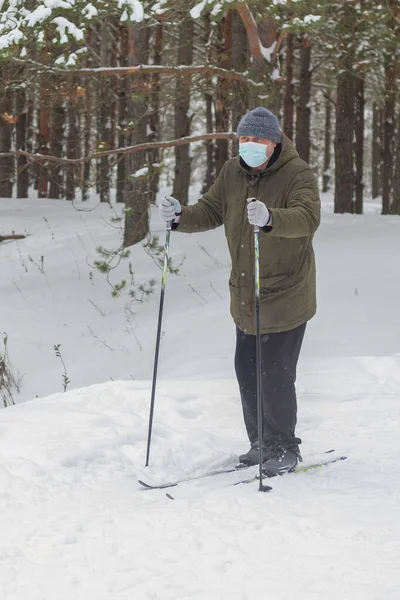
[251, 457]
[281, 461]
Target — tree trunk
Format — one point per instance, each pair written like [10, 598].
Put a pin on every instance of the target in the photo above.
[114, 99]
[240, 62]
[31, 91]
[395, 208]
[344, 171]
[391, 65]
[359, 142]
[136, 186]
[182, 105]
[44, 136]
[224, 60]
[31, 130]
[87, 139]
[56, 142]
[87, 110]
[392, 72]
[103, 118]
[303, 106]
[20, 142]
[327, 148]
[153, 156]
[377, 142]
[267, 29]
[72, 141]
[6, 163]
[210, 154]
[389, 131]
[261, 34]
[122, 114]
[288, 114]
[208, 101]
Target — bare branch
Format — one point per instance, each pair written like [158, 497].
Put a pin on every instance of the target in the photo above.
[140, 70]
[127, 150]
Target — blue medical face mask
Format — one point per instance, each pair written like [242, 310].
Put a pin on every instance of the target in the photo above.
[253, 154]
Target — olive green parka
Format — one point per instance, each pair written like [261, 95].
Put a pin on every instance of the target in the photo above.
[289, 189]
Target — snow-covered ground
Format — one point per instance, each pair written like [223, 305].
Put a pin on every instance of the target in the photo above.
[75, 525]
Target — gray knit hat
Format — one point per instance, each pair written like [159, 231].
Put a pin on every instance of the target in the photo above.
[260, 122]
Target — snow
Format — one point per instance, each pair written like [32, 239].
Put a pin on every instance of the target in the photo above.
[135, 9]
[268, 52]
[10, 38]
[16, 17]
[275, 74]
[89, 11]
[311, 19]
[63, 26]
[41, 13]
[140, 172]
[306, 20]
[217, 7]
[72, 60]
[74, 521]
[196, 11]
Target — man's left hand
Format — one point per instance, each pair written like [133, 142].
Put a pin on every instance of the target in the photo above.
[257, 213]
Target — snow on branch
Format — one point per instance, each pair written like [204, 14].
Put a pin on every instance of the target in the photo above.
[259, 52]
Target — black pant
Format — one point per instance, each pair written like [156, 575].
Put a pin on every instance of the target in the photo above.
[279, 356]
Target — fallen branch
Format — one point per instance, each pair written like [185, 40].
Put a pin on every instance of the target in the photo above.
[3, 238]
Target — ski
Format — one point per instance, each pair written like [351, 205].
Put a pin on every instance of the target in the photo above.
[162, 486]
[235, 469]
[299, 469]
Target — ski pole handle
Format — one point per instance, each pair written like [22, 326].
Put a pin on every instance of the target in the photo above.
[256, 228]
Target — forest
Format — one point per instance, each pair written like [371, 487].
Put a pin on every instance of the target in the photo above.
[120, 335]
[113, 97]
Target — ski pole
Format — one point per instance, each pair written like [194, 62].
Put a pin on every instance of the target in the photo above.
[261, 488]
[160, 313]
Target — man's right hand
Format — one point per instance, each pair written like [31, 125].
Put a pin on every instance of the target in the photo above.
[169, 208]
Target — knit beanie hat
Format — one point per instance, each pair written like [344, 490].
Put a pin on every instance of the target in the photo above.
[260, 122]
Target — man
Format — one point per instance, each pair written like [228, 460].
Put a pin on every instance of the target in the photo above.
[287, 211]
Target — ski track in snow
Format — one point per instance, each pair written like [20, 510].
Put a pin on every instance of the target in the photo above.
[74, 522]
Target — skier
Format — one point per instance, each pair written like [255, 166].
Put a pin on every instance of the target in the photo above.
[287, 211]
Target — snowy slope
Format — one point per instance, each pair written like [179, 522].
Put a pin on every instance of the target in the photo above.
[70, 303]
[74, 523]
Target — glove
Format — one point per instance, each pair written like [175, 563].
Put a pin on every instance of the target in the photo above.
[257, 213]
[169, 208]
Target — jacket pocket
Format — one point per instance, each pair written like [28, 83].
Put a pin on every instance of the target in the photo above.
[234, 282]
[277, 283]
